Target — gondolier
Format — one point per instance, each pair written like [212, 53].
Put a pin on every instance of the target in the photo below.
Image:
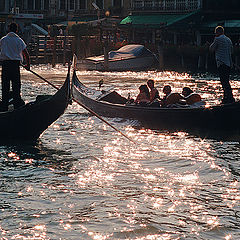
[222, 46]
[13, 49]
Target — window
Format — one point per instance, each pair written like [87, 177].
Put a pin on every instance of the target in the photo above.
[30, 4]
[71, 4]
[62, 5]
[46, 4]
[38, 5]
[117, 3]
[82, 4]
[2, 6]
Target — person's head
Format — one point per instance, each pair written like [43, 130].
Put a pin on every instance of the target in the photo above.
[219, 30]
[144, 89]
[150, 84]
[186, 91]
[167, 89]
[13, 27]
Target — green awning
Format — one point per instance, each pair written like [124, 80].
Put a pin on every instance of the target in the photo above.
[154, 21]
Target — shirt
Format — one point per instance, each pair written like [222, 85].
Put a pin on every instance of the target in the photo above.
[222, 46]
[11, 47]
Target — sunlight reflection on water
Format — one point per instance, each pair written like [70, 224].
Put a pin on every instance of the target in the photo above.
[82, 180]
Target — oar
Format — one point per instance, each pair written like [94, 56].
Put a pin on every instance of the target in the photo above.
[95, 114]
[85, 107]
[45, 80]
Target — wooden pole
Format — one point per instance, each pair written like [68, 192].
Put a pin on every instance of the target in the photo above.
[37, 50]
[160, 57]
[45, 49]
[64, 50]
[54, 51]
[206, 62]
[106, 59]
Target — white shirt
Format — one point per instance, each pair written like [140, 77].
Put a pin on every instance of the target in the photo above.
[222, 46]
[11, 47]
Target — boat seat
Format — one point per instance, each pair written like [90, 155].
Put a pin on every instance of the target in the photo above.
[114, 97]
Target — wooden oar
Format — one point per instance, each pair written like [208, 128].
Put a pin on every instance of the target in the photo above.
[45, 80]
[95, 114]
[85, 107]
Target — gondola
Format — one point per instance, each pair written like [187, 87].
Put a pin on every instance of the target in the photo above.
[219, 120]
[28, 122]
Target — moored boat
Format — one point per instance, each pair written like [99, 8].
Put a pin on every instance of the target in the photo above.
[132, 57]
[220, 119]
[28, 122]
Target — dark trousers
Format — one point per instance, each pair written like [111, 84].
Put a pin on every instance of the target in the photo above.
[224, 73]
[11, 74]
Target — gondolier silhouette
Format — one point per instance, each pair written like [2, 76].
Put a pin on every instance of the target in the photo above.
[222, 46]
[13, 49]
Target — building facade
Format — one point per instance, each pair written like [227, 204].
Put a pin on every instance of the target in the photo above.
[62, 8]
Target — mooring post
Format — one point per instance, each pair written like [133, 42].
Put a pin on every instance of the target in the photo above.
[54, 51]
[64, 49]
[45, 49]
[106, 59]
[160, 57]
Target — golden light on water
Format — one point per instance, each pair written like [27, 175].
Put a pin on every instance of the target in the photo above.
[40, 227]
[95, 184]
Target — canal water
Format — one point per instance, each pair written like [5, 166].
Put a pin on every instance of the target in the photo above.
[82, 180]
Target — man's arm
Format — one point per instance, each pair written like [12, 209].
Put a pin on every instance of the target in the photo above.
[213, 46]
[26, 58]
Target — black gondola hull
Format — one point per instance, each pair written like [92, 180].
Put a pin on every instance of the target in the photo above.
[30, 121]
[223, 119]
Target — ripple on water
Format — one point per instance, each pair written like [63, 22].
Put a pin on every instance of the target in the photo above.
[82, 180]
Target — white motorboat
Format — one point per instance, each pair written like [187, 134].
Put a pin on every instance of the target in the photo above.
[132, 57]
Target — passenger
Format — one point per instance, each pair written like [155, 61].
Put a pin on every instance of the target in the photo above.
[144, 96]
[190, 96]
[170, 98]
[154, 94]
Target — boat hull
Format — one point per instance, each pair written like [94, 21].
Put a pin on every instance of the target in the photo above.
[132, 57]
[223, 119]
[130, 64]
[30, 121]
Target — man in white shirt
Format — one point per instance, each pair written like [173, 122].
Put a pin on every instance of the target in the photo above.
[12, 51]
[222, 46]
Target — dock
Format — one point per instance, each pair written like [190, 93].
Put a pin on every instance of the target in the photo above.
[53, 50]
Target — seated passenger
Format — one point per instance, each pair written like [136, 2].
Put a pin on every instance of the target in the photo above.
[144, 96]
[154, 94]
[190, 96]
[170, 98]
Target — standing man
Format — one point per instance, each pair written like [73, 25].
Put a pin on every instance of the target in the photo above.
[222, 46]
[12, 49]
